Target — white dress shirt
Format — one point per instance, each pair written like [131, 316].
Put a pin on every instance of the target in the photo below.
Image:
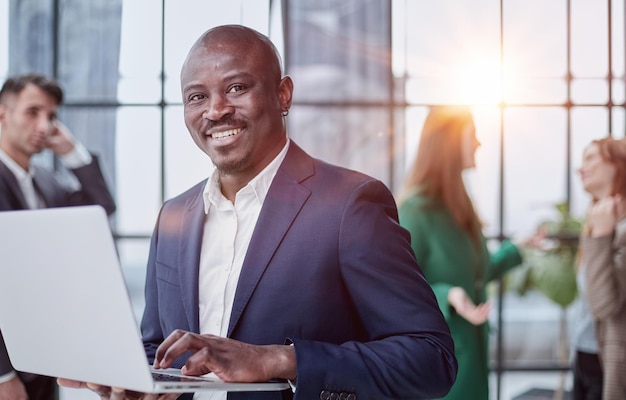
[228, 229]
[76, 158]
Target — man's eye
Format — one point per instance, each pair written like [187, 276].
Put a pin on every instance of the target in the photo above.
[236, 88]
[196, 97]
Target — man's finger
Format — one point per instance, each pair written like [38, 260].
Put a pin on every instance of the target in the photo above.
[69, 383]
[117, 394]
[164, 347]
[102, 391]
[177, 344]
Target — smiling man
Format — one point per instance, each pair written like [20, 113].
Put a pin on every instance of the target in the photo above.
[279, 265]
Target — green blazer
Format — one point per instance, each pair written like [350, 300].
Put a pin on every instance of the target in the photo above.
[449, 257]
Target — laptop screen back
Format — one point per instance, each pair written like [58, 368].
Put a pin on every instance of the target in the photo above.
[64, 306]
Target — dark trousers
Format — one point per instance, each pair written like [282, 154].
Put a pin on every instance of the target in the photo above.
[39, 387]
[587, 377]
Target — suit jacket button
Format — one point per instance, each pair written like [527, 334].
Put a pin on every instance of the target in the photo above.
[325, 395]
[343, 396]
[334, 396]
[351, 396]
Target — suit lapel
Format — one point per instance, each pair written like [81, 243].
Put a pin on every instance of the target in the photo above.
[192, 228]
[15, 193]
[284, 200]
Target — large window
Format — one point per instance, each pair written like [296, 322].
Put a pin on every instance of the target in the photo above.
[543, 80]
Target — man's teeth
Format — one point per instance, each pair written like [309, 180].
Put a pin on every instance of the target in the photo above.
[230, 132]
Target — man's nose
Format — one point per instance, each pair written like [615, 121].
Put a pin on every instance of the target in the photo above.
[44, 125]
[217, 107]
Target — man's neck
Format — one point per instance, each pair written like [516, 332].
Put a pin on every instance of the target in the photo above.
[20, 159]
[230, 185]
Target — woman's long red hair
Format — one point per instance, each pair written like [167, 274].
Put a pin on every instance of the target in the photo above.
[437, 170]
[613, 151]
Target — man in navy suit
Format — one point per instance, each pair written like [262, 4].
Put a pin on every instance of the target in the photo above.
[28, 123]
[281, 266]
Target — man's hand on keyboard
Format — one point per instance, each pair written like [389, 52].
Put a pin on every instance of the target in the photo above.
[230, 360]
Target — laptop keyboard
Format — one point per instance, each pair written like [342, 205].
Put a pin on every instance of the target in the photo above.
[161, 377]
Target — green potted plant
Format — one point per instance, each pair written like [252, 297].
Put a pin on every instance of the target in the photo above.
[551, 270]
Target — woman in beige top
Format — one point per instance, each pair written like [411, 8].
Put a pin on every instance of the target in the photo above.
[603, 265]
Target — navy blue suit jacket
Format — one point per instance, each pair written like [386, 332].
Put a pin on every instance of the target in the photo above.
[329, 268]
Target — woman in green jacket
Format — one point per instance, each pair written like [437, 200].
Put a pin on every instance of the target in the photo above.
[447, 240]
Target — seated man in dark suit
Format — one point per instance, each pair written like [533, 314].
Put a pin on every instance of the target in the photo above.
[28, 123]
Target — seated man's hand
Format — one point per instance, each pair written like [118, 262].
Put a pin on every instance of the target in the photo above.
[60, 140]
[108, 393]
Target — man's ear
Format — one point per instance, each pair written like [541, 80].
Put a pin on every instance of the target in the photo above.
[285, 92]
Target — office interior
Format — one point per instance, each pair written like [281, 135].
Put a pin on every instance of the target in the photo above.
[542, 80]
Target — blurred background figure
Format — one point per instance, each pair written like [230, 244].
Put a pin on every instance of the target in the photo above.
[446, 236]
[599, 333]
[29, 125]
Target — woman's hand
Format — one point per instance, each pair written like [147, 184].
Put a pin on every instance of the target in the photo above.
[465, 307]
[603, 216]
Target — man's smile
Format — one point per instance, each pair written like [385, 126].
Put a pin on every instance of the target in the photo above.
[224, 134]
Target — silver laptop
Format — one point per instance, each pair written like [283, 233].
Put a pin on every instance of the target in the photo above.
[65, 310]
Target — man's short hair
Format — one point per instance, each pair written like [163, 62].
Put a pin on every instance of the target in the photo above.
[15, 84]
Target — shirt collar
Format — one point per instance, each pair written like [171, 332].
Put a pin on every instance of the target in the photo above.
[259, 185]
[19, 172]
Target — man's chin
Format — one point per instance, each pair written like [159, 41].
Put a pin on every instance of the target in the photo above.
[36, 148]
[231, 167]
